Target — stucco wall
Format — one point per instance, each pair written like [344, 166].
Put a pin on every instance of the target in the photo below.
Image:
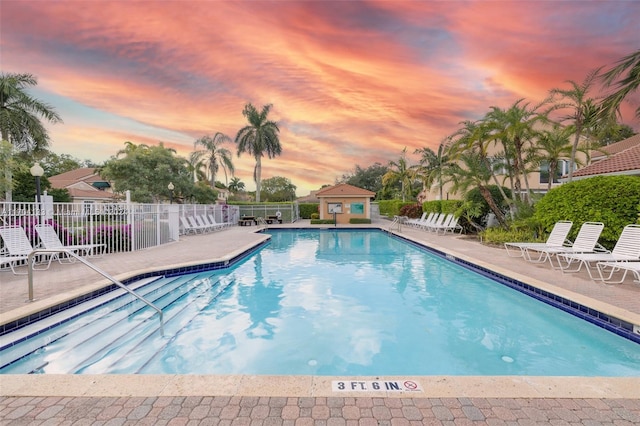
[347, 213]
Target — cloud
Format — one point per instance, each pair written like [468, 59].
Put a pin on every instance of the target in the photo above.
[350, 82]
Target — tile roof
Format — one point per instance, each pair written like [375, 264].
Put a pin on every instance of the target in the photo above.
[344, 189]
[624, 158]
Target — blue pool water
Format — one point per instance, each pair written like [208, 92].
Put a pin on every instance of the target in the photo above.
[330, 302]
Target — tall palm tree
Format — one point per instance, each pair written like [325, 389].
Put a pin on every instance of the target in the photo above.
[258, 138]
[578, 101]
[215, 156]
[624, 84]
[515, 128]
[400, 172]
[20, 114]
[552, 146]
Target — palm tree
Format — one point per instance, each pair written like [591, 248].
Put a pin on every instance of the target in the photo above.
[215, 156]
[473, 171]
[476, 136]
[553, 146]
[514, 128]
[196, 166]
[579, 103]
[19, 117]
[236, 185]
[433, 165]
[400, 172]
[625, 85]
[258, 138]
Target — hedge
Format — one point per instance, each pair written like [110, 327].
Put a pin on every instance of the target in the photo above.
[307, 209]
[612, 200]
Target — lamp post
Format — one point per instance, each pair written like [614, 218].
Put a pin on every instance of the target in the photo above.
[171, 187]
[37, 171]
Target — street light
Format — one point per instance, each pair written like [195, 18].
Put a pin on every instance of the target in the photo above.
[171, 187]
[37, 171]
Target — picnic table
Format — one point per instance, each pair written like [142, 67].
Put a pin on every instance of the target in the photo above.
[273, 219]
[248, 221]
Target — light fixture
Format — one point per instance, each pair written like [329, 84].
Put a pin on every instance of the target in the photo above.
[37, 171]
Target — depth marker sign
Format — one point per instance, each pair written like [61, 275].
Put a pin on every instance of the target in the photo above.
[375, 386]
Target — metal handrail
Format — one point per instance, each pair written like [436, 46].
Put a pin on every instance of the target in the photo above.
[95, 268]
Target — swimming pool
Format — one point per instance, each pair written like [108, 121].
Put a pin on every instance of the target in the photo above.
[333, 302]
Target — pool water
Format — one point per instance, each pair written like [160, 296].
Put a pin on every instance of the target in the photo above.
[338, 302]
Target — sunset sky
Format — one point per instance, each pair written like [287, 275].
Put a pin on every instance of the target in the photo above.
[351, 82]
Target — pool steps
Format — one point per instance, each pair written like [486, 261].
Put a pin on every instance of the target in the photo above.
[117, 307]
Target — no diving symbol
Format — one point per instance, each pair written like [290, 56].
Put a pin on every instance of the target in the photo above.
[410, 385]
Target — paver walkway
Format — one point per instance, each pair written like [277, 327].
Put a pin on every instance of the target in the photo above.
[36, 400]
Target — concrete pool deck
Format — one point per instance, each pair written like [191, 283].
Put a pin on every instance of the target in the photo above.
[310, 399]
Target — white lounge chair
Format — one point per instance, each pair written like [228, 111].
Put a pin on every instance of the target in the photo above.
[441, 223]
[627, 249]
[212, 220]
[204, 223]
[452, 226]
[557, 238]
[424, 222]
[13, 262]
[437, 220]
[586, 242]
[191, 227]
[613, 267]
[50, 240]
[17, 246]
[213, 225]
[416, 221]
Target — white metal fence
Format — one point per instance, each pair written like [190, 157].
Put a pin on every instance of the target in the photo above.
[124, 227]
[121, 227]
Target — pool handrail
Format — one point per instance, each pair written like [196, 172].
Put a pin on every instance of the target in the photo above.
[30, 263]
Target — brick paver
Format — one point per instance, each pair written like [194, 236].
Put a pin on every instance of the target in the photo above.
[453, 411]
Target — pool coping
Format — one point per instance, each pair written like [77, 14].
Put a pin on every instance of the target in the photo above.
[250, 385]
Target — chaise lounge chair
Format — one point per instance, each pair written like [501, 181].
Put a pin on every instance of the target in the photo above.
[627, 249]
[633, 267]
[50, 240]
[586, 242]
[17, 247]
[557, 238]
[416, 221]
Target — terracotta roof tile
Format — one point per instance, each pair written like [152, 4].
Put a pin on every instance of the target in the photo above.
[344, 189]
[626, 161]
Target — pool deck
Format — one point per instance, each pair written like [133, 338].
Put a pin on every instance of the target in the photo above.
[310, 400]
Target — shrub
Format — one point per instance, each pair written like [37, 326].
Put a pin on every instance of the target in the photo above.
[392, 208]
[411, 210]
[476, 197]
[322, 222]
[612, 200]
[315, 216]
[308, 209]
[356, 220]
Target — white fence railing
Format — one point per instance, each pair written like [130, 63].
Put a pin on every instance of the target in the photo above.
[121, 227]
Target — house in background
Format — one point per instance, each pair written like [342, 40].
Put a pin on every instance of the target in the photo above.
[85, 186]
[346, 202]
[620, 158]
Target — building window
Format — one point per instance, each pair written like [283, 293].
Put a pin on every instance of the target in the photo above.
[561, 170]
[357, 208]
